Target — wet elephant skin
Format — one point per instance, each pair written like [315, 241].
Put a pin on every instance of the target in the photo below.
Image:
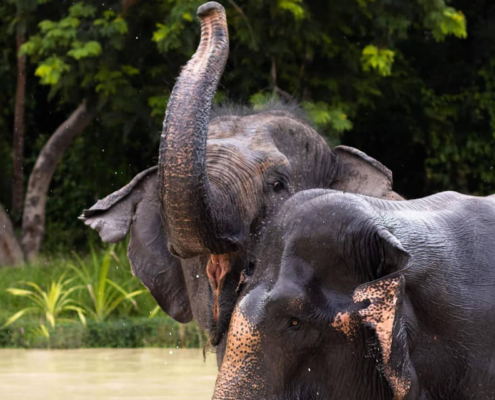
[360, 298]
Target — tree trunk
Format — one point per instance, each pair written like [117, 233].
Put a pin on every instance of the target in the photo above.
[33, 222]
[18, 137]
[10, 250]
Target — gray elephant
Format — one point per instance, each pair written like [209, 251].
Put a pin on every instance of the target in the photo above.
[362, 298]
[195, 218]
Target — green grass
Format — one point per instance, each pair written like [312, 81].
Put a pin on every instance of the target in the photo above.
[128, 324]
[118, 333]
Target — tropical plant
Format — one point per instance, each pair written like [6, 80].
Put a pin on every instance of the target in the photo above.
[154, 312]
[105, 294]
[51, 303]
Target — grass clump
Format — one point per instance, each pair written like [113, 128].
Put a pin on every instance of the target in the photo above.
[49, 304]
[41, 306]
[104, 294]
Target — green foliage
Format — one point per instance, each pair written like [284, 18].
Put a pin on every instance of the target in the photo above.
[120, 333]
[104, 294]
[444, 21]
[83, 50]
[81, 10]
[323, 115]
[50, 303]
[111, 25]
[261, 99]
[50, 70]
[109, 82]
[64, 45]
[170, 35]
[129, 325]
[158, 105]
[294, 7]
[380, 60]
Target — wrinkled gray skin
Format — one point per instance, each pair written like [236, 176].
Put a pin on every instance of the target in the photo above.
[217, 181]
[359, 298]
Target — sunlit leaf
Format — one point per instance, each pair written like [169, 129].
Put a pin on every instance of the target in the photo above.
[294, 7]
[50, 71]
[377, 59]
[18, 315]
[323, 115]
[83, 50]
[81, 10]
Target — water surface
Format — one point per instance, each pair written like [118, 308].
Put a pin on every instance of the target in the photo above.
[108, 374]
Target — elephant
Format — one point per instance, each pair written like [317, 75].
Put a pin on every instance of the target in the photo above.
[195, 218]
[364, 298]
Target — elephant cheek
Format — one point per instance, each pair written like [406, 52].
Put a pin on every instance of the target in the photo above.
[240, 375]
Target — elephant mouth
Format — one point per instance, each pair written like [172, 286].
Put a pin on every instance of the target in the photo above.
[224, 273]
[217, 269]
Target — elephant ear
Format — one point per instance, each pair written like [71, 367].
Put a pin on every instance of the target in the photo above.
[383, 313]
[380, 305]
[136, 207]
[359, 173]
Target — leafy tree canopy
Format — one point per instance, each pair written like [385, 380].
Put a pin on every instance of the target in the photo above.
[409, 82]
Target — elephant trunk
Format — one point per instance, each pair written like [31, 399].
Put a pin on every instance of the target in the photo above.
[243, 373]
[189, 203]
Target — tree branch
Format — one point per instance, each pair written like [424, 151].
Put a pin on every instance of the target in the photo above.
[10, 250]
[33, 223]
[18, 137]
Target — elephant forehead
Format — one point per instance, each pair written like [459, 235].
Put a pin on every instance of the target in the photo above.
[256, 132]
[249, 152]
[260, 124]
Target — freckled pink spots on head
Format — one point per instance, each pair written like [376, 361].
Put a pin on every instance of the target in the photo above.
[381, 314]
[346, 323]
[240, 367]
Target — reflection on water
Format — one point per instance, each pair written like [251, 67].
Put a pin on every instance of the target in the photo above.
[108, 374]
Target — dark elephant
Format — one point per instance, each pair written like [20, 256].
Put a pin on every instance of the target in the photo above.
[361, 298]
[194, 219]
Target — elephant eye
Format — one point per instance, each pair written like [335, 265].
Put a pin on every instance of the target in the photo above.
[294, 323]
[250, 268]
[278, 186]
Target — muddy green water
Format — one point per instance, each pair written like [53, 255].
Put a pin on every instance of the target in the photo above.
[110, 374]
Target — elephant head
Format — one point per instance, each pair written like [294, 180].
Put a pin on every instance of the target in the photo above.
[323, 317]
[195, 219]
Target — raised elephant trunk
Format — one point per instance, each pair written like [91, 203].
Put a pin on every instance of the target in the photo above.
[192, 210]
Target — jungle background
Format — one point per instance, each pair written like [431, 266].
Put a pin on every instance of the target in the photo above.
[84, 87]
